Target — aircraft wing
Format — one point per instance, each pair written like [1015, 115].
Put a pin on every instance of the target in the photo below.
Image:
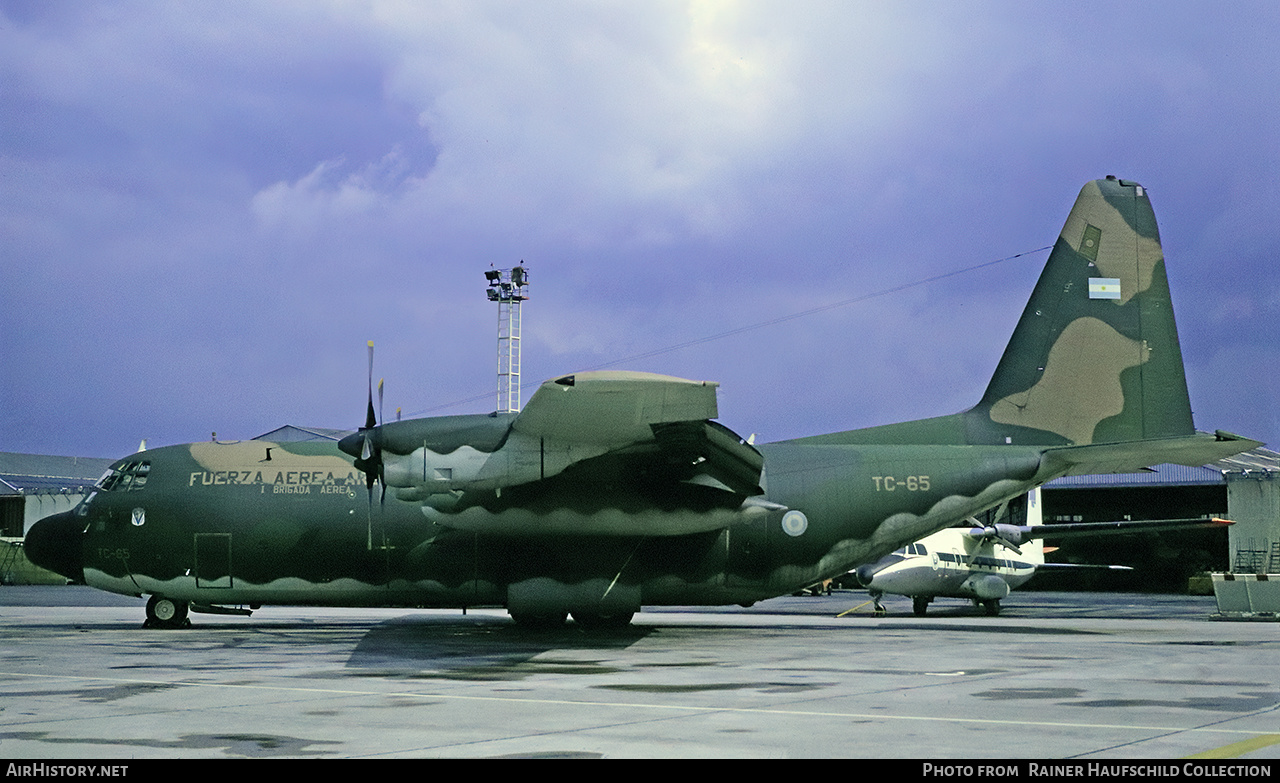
[613, 408]
[1017, 534]
[659, 417]
[580, 430]
[1071, 529]
[582, 438]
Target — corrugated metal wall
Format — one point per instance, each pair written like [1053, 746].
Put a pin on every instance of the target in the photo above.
[1253, 502]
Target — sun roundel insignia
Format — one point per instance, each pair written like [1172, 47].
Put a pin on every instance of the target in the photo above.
[794, 523]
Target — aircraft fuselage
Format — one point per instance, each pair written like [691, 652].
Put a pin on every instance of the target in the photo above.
[221, 524]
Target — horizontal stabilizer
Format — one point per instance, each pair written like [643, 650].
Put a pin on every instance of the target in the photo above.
[1084, 567]
[1133, 456]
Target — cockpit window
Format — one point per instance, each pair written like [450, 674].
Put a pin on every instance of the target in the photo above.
[82, 507]
[126, 478]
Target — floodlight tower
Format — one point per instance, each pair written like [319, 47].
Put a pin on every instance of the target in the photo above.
[508, 287]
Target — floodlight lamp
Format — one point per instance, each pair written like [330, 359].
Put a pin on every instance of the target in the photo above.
[493, 275]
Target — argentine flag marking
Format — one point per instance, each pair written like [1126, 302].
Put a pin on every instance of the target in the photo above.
[1104, 288]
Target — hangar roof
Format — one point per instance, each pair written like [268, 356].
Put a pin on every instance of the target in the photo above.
[290, 433]
[30, 474]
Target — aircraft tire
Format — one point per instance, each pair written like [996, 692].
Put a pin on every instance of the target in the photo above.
[992, 607]
[919, 605]
[539, 620]
[598, 621]
[166, 613]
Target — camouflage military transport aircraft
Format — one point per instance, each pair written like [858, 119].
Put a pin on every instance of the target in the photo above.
[615, 490]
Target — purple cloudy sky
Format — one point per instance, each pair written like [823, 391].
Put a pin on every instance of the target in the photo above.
[207, 209]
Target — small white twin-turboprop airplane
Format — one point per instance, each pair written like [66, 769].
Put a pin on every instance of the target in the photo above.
[983, 563]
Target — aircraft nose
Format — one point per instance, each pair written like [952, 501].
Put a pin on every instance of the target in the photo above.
[867, 571]
[55, 542]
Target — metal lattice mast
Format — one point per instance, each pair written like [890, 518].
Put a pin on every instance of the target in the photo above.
[509, 288]
[508, 356]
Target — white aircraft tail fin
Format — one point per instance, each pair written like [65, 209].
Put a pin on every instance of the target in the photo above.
[1033, 549]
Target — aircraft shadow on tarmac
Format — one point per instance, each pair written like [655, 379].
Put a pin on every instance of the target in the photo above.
[484, 648]
[480, 648]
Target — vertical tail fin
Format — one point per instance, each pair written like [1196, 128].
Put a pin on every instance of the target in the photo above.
[1095, 357]
[1033, 550]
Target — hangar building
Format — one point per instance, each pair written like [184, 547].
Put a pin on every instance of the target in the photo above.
[1244, 488]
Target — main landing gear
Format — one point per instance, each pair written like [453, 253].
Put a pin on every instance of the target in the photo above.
[920, 605]
[166, 613]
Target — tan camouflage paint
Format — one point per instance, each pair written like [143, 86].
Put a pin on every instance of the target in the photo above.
[1084, 366]
[1122, 252]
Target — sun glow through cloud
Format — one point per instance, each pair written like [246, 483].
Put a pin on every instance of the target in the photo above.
[267, 186]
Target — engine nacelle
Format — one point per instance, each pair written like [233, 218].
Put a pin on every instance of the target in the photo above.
[987, 587]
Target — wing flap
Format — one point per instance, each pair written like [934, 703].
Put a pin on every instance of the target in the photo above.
[709, 450]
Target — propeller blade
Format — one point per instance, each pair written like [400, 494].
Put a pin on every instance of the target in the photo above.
[370, 460]
[370, 420]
